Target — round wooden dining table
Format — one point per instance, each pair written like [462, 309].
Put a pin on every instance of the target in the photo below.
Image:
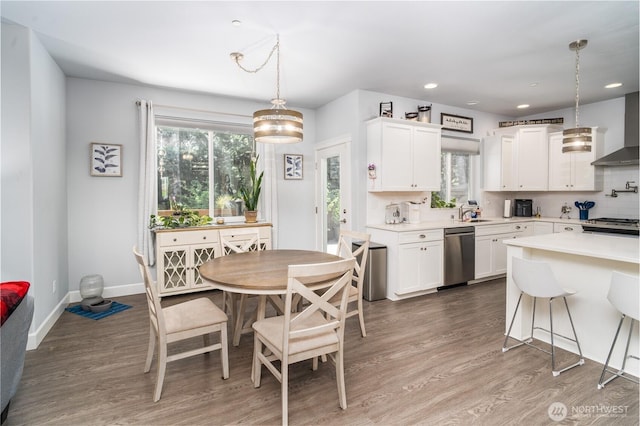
[263, 273]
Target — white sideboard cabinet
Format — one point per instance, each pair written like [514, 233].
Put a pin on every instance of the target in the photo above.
[406, 154]
[491, 252]
[180, 252]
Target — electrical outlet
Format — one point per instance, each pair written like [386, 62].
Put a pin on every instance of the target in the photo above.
[54, 286]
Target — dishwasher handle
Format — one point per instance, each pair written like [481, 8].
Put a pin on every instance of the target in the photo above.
[464, 230]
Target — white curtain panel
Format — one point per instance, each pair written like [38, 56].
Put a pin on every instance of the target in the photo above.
[270, 188]
[147, 188]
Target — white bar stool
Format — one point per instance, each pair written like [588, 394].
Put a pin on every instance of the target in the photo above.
[537, 280]
[623, 295]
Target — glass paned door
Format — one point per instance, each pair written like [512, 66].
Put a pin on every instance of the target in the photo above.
[334, 203]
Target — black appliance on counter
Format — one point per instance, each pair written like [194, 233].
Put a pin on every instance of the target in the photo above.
[523, 208]
[612, 225]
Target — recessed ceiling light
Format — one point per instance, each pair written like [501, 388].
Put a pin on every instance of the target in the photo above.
[523, 106]
[471, 103]
[431, 85]
[236, 23]
[612, 85]
[534, 84]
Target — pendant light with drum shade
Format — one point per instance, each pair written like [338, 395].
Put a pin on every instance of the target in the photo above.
[278, 124]
[577, 139]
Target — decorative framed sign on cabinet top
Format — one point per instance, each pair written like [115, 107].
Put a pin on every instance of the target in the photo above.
[456, 123]
[106, 159]
[292, 166]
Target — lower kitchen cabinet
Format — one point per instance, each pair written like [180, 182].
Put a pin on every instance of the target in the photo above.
[415, 261]
[491, 252]
[180, 253]
[420, 266]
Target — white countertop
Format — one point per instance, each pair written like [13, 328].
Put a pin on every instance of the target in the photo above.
[618, 248]
[439, 224]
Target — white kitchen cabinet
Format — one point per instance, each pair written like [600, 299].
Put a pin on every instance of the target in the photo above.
[541, 228]
[572, 171]
[516, 158]
[180, 252]
[415, 260]
[406, 155]
[567, 227]
[491, 252]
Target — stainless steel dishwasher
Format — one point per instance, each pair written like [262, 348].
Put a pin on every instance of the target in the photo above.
[459, 255]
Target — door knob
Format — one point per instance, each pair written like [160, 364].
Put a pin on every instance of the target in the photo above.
[343, 221]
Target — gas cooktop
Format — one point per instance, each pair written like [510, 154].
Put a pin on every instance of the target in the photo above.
[612, 225]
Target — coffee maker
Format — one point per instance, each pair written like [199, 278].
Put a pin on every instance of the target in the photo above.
[523, 207]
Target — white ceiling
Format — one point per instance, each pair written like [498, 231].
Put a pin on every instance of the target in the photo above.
[490, 52]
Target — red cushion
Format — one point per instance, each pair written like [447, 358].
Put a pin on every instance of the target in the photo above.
[11, 294]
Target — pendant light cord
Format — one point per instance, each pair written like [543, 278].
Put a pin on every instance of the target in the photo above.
[577, 86]
[237, 57]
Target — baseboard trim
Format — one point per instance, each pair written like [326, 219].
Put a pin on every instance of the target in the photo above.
[36, 337]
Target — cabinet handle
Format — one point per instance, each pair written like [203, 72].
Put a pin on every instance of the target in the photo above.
[204, 238]
[422, 236]
[517, 226]
[175, 239]
[568, 228]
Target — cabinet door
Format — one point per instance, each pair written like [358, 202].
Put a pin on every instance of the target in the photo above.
[199, 255]
[173, 268]
[508, 173]
[432, 265]
[559, 165]
[483, 266]
[420, 266]
[409, 268]
[426, 159]
[397, 174]
[499, 253]
[533, 160]
[584, 174]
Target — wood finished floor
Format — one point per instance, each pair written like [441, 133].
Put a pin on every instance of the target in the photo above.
[434, 359]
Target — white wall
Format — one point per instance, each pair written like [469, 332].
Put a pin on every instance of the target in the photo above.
[102, 210]
[34, 202]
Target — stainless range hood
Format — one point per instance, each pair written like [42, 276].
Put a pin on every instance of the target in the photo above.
[628, 155]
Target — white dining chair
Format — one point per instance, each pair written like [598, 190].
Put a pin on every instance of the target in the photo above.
[316, 330]
[347, 250]
[238, 240]
[193, 318]
[536, 279]
[624, 294]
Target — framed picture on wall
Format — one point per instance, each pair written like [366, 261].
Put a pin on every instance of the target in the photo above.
[456, 123]
[106, 159]
[293, 166]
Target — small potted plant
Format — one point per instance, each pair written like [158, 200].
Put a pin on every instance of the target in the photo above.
[251, 194]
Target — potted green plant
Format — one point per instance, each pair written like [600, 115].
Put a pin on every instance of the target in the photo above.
[251, 194]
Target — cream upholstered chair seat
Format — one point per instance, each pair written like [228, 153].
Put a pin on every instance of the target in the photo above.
[273, 332]
[192, 314]
[194, 318]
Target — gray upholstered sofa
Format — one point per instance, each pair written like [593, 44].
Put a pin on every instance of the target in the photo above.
[13, 344]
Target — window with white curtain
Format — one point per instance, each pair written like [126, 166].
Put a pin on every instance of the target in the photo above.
[202, 165]
[457, 169]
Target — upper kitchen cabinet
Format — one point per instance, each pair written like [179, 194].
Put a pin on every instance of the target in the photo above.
[516, 158]
[572, 171]
[406, 155]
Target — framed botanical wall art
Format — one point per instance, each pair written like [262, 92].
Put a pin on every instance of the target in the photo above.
[106, 159]
[292, 166]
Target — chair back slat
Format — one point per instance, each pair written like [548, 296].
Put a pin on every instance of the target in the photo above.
[249, 241]
[317, 284]
[153, 301]
[345, 249]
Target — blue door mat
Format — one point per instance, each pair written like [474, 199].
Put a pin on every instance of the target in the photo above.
[115, 308]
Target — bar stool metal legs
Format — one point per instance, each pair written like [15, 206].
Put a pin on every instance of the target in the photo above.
[528, 341]
[621, 372]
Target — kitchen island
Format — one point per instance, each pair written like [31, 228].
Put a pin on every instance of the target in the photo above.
[582, 262]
